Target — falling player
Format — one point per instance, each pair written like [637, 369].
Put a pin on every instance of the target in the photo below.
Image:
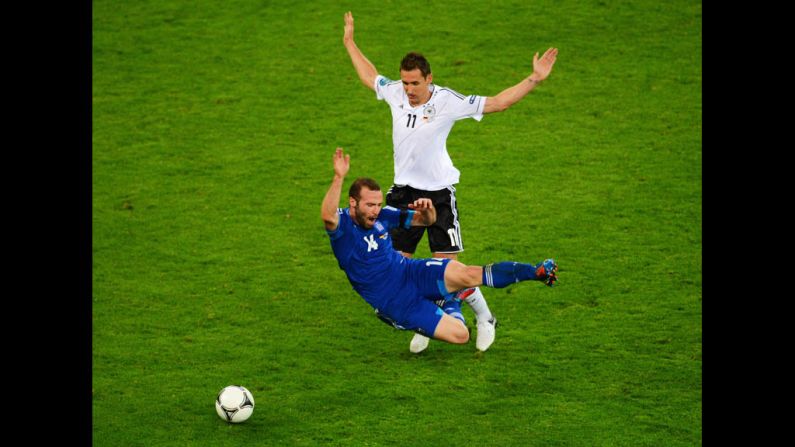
[404, 291]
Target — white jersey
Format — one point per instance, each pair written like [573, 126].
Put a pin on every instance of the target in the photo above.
[419, 134]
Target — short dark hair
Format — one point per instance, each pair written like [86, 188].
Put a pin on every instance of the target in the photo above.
[356, 187]
[413, 61]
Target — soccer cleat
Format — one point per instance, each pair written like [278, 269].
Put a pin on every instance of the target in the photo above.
[486, 333]
[419, 343]
[547, 272]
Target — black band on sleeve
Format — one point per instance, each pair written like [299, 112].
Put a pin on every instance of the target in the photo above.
[404, 214]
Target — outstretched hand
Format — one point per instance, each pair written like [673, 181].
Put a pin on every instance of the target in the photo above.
[425, 213]
[348, 26]
[342, 162]
[542, 67]
[421, 204]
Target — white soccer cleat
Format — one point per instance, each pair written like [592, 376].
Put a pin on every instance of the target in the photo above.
[420, 342]
[486, 333]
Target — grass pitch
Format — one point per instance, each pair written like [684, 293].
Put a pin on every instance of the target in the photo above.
[213, 129]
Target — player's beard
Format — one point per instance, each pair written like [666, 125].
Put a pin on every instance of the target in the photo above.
[361, 218]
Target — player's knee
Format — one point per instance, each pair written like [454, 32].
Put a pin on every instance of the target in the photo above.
[460, 335]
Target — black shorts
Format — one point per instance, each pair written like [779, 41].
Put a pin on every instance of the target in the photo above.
[444, 236]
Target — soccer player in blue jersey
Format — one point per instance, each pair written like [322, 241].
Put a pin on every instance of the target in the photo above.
[405, 291]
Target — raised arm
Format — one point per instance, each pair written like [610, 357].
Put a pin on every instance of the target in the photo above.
[364, 68]
[328, 211]
[425, 213]
[510, 96]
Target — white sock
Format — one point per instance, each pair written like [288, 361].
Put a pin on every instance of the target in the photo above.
[478, 304]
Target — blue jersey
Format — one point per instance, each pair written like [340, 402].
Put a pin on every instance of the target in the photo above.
[373, 267]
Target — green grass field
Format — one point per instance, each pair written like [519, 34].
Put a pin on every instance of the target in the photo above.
[214, 124]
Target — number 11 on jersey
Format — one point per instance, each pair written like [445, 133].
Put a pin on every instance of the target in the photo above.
[454, 240]
[412, 120]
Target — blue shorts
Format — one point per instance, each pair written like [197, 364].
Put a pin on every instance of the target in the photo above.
[414, 307]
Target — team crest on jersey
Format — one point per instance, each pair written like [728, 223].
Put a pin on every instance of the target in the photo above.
[378, 226]
[429, 113]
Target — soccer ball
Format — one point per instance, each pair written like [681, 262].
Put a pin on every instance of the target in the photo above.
[234, 404]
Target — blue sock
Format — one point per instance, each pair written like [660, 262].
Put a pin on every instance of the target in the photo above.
[503, 274]
[452, 307]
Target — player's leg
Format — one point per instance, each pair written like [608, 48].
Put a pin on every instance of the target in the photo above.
[451, 305]
[486, 321]
[444, 237]
[451, 330]
[437, 313]
[427, 319]
[458, 276]
[435, 279]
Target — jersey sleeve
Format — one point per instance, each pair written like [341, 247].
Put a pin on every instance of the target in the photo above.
[394, 218]
[341, 223]
[341, 239]
[388, 90]
[460, 106]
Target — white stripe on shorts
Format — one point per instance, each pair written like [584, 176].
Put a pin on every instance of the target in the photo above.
[454, 208]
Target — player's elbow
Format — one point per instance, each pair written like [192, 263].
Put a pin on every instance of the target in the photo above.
[329, 219]
[331, 225]
[368, 81]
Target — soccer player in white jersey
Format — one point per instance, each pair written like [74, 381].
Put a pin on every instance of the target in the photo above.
[422, 116]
